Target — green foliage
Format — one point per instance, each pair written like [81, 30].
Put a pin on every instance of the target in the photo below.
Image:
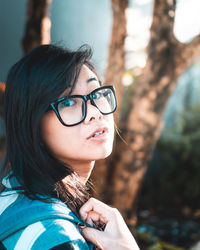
[175, 182]
[151, 242]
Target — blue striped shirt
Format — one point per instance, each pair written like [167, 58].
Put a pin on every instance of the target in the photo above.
[33, 224]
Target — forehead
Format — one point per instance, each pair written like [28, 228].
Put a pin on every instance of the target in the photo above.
[86, 72]
[86, 80]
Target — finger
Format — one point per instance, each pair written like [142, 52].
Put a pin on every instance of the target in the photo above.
[89, 220]
[95, 205]
[103, 219]
[93, 236]
[94, 215]
[96, 218]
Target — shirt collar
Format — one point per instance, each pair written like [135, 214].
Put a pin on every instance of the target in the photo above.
[10, 181]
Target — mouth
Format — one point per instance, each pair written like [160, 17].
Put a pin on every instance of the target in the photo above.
[98, 133]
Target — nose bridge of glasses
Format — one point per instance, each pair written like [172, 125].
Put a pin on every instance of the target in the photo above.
[87, 98]
[90, 98]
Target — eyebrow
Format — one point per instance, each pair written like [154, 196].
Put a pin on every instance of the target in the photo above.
[93, 79]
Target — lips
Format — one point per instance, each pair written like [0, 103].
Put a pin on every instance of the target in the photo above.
[97, 132]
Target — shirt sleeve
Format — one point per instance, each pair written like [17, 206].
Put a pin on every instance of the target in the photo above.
[64, 246]
[60, 234]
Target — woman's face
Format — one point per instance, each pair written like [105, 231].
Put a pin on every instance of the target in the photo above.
[76, 145]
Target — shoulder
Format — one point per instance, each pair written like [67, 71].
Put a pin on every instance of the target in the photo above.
[38, 225]
[54, 234]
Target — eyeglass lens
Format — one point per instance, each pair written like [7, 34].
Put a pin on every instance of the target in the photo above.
[72, 110]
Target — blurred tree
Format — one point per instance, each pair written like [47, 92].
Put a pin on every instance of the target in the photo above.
[167, 59]
[2, 136]
[116, 57]
[38, 24]
[37, 31]
[178, 178]
[114, 73]
[2, 90]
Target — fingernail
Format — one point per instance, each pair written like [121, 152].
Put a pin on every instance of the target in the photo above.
[84, 216]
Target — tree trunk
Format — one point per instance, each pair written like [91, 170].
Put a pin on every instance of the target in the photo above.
[167, 59]
[2, 136]
[37, 31]
[116, 57]
[38, 24]
[2, 91]
[114, 73]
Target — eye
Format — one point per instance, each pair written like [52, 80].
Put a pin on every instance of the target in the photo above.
[107, 92]
[67, 103]
[96, 95]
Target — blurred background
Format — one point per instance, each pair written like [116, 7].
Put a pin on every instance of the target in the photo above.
[150, 51]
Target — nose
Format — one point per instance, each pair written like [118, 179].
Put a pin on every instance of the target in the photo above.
[92, 113]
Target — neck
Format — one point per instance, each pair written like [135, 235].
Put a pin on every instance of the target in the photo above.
[83, 169]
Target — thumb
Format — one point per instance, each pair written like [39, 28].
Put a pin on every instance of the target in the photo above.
[93, 235]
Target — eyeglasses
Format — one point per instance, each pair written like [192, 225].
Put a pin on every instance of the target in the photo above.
[71, 110]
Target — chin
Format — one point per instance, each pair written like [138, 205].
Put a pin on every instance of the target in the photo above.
[103, 154]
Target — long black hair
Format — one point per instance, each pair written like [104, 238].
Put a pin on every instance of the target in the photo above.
[32, 84]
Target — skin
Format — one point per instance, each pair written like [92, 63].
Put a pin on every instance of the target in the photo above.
[71, 144]
[116, 234]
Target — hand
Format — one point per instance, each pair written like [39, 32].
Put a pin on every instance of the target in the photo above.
[116, 234]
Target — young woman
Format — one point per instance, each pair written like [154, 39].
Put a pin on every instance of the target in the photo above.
[59, 121]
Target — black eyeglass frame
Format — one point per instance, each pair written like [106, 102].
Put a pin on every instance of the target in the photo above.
[54, 105]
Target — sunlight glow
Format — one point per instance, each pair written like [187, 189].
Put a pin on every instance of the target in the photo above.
[139, 18]
[127, 79]
[142, 2]
[137, 39]
[187, 21]
[137, 29]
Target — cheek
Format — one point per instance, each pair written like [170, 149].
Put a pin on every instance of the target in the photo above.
[54, 134]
